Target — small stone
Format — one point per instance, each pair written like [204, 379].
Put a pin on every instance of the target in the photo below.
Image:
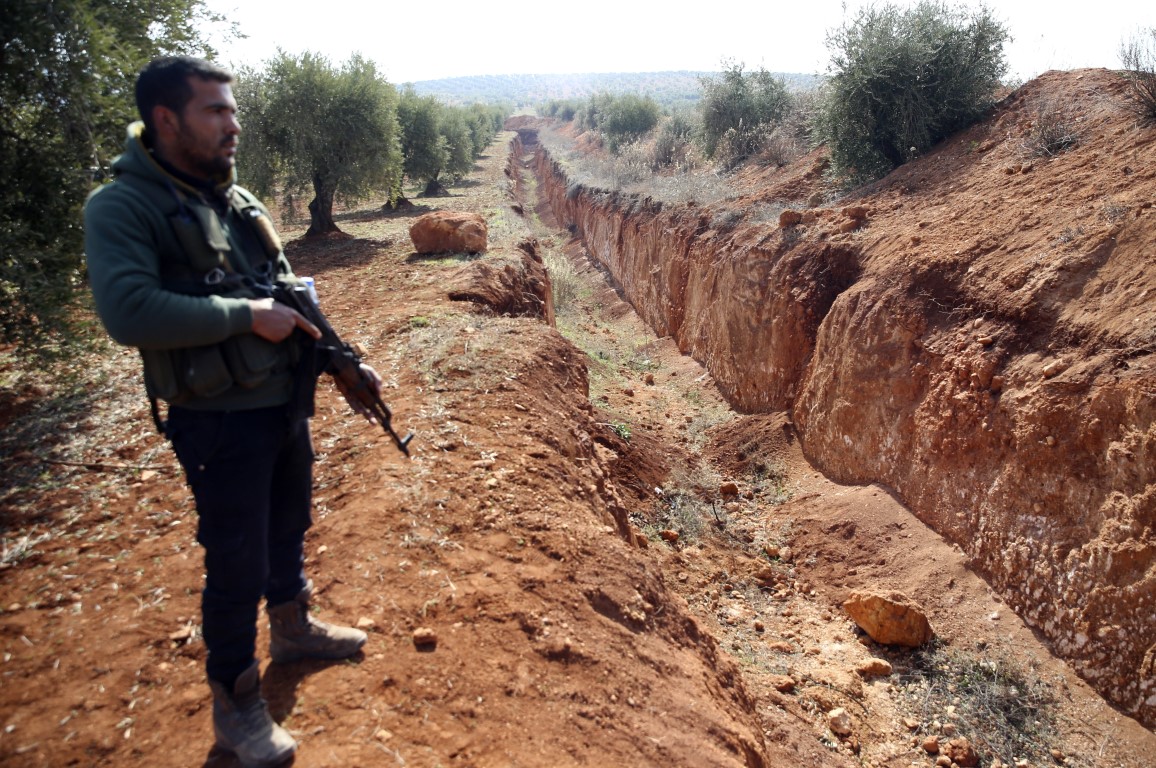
[649, 379]
[910, 723]
[961, 752]
[943, 761]
[184, 633]
[383, 735]
[839, 722]
[760, 626]
[388, 681]
[322, 549]
[729, 489]
[1057, 755]
[668, 536]
[782, 683]
[781, 647]
[949, 729]
[424, 637]
[931, 745]
[875, 668]
[366, 623]
[987, 341]
[628, 392]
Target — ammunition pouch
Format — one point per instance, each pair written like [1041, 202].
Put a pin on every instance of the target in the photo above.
[178, 376]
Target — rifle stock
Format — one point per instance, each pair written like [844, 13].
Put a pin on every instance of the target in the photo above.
[344, 361]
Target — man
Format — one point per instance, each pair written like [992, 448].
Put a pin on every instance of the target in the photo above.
[177, 256]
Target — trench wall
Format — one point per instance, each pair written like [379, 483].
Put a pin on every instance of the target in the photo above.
[1046, 480]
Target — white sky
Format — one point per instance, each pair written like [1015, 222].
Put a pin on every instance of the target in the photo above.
[413, 41]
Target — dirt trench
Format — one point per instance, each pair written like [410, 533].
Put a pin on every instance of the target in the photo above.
[996, 370]
[828, 540]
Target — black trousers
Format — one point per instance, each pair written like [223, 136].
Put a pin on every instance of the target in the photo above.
[251, 473]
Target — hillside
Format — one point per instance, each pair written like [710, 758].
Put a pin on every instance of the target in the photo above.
[670, 89]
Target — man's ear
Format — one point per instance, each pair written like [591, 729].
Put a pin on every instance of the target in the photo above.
[166, 121]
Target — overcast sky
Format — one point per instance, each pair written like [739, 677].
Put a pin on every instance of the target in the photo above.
[413, 41]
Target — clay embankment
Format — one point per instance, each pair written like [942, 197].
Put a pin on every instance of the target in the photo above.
[975, 331]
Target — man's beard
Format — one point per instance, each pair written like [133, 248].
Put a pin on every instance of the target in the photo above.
[211, 166]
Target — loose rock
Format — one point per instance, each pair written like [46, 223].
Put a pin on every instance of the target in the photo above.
[839, 722]
[783, 683]
[875, 668]
[424, 637]
[890, 619]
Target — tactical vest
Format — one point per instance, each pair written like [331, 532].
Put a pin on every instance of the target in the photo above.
[203, 268]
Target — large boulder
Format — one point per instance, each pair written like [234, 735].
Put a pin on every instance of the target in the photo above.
[449, 232]
[889, 619]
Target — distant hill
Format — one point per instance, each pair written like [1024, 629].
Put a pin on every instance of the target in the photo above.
[670, 89]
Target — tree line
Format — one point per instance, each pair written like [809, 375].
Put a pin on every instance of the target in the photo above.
[67, 75]
[329, 132]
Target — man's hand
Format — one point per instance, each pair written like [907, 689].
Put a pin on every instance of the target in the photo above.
[274, 322]
[374, 381]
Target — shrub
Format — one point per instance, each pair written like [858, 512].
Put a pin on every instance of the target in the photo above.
[1053, 131]
[565, 282]
[1139, 58]
[1003, 708]
[672, 142]
[626, 118]
[904, 79]
[739, 111]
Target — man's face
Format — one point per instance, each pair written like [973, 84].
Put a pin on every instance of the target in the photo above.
[205, 139]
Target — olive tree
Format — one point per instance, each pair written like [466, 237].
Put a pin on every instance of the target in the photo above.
[312, 126]
[67, 71]
[903, 79]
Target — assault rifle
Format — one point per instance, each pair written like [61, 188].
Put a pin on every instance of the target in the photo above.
[341, 359]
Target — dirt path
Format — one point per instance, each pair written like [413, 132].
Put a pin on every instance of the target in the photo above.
[533, 533]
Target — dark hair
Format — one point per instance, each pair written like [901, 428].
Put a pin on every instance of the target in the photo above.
[164, 82]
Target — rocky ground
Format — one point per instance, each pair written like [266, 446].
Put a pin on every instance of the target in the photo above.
[589, 560]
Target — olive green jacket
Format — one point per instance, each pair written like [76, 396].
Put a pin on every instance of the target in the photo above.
[149, 237]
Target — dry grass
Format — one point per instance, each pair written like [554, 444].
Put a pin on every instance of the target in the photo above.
[1004, 709]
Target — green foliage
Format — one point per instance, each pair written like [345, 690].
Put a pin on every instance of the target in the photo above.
[904, 79]
[311, 125]
[437, 139]
[564, 110]
[485, 122]
[738, 111]
[621, 428]
[422, 144]
[627, 118]
[67, 71]
[1138, 55]
[620, 118]
[672, 141]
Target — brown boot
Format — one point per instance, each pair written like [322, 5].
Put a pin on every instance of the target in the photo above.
[242, 724]
[294, 634]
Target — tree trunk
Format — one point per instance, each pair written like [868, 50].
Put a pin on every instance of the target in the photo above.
[321, 210]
